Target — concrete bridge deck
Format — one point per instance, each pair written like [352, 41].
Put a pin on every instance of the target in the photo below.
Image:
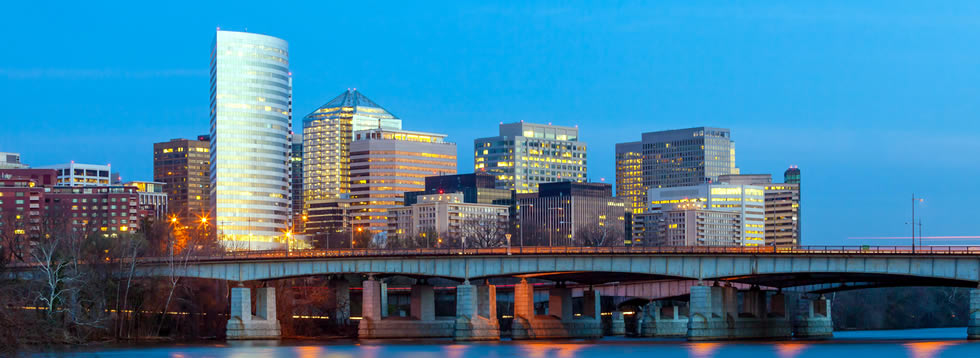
[807, 266]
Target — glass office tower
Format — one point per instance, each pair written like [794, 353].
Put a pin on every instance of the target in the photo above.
[327, 135]
[251, 121]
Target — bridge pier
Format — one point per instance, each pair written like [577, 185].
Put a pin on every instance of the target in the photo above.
[715, 316]
[973, 327]
[476, 313]
[560, 322]
[814, 320]
[617, 324]
[243, 325]
[422, 323]
[661, 321]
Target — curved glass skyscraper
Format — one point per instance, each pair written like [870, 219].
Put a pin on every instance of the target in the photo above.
[251, 135]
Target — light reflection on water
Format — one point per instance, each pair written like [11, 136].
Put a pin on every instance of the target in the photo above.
[926, 349]
[932, 343]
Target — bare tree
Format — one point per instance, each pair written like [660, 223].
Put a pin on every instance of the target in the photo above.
[601, 234]
[482, 232]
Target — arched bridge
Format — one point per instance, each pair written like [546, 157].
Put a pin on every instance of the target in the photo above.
[866, 266]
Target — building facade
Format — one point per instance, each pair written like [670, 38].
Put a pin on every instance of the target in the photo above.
[152, 198]
[525, 155]
[571, 214]
[384, 164]
[746, 200]
[22, 201]
[783, 222]
[327, 135]
[476, 188]
[251, 137]
[327, 219]
[77, 174]
[673, 158]
[184, 168]
[296, 164]
[690, 224]
[11, 161]
[447, 216]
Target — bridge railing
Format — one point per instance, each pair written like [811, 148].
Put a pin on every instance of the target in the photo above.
[572, 250]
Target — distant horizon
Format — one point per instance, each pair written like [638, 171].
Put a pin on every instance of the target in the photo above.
[872, 101]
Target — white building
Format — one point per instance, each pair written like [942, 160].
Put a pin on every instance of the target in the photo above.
[447, 216]
[77, 174]
[746, 200]
[11, 161]
[251, 140]
[527, 154]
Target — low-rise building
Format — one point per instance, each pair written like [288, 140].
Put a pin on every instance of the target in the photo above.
[436, 217]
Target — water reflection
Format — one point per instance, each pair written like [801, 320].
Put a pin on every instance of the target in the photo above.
[926, 349]
[550, 349]
[790, 350]
[703, 350]
[455, 350]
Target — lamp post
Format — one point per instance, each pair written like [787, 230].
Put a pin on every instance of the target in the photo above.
[508, 243]
[914, 201]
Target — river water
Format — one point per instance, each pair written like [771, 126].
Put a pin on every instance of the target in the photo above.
[920, 343]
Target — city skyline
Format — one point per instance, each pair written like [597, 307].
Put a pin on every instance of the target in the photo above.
[834, 152]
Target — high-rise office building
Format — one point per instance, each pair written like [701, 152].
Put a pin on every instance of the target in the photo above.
[792, 175]
[77, 174]
[570, 214]
[691, 224]
[524, 155]
[296, 163]
[384, 164]
[327, 135]
[673, 158]
[477, 187]
[746, 200]
[251, 137]
[668, 159]
[11, 161]
[184, 168]
[783, 221]
[629, 176]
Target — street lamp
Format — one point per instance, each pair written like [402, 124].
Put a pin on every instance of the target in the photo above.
[914, 201]
[508, 243]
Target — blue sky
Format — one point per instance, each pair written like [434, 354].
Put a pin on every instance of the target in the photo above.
[873, 100]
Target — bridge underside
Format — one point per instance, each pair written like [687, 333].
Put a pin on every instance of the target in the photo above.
[825, 282]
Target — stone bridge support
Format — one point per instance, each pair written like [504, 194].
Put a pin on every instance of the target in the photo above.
[814, 319]
[973, 327]
[422, 322]
[476, 313]
[715, 315]
[658, 320]
[243, 325]
[561, 321]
